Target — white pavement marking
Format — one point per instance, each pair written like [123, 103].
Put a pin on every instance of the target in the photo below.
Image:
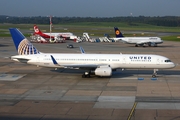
[11, 77]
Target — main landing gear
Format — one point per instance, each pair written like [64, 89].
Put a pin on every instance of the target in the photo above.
[154, 75]
[86, 75]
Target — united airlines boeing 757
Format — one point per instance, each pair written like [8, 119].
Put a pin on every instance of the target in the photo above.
[98, 64]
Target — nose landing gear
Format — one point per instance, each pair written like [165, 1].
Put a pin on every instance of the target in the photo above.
[154, 75]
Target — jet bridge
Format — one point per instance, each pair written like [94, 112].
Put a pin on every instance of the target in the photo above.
[104, 39]
[87, 38]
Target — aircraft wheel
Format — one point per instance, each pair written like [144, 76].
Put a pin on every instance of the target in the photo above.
[88, 76]
[154, 76]
[83, 76]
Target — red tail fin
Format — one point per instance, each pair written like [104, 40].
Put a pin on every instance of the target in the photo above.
[36, 30]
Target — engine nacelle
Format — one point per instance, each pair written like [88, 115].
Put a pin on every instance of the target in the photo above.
[103, 71]
[153, 44]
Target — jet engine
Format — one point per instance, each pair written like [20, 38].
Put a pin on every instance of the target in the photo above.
[103, 71]
[152, 44]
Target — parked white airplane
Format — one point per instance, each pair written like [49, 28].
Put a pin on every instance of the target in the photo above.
[98, 64]
[138, 41]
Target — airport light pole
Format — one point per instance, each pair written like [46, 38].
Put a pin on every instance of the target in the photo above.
[50, 19]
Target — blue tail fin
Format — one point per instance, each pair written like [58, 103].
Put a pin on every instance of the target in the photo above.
[118, 32]
[23, 46]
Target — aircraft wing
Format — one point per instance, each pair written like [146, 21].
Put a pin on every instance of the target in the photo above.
[122, 40]
[77, 66]
[85, 66]
[143, 42]
[80, 66]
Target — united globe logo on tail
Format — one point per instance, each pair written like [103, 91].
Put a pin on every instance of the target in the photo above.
[23, 46]
[26, 48]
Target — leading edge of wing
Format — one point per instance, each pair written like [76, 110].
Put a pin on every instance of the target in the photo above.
[142, 42]
[73, 65]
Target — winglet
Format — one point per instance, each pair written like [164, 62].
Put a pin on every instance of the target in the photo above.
[54, 61]
[82, 50]
[118, 32]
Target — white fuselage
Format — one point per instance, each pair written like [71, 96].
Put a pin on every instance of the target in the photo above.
[65, 34]
[140, 40]
[115, 61]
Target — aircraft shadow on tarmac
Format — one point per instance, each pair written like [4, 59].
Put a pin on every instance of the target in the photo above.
[122, 74]
[144, 73]
[1, 45]
[159, 46]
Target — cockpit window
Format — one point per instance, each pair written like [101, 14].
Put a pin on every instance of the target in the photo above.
[167, 60]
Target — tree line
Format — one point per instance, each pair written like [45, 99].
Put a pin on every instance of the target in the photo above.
[169, 21]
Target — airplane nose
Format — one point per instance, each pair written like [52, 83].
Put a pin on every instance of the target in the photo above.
[173, 65]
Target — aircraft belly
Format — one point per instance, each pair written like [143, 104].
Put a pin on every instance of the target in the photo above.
[114, 66]
[43, 64]
[134, 66]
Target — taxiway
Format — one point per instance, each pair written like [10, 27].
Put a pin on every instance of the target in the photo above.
[30, 92]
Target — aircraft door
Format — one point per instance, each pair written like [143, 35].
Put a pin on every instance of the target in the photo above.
[158, 61]
[124, 60]
[38, 59]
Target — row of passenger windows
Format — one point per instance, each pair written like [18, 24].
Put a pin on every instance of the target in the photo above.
[74, 59]
[84, 59]
[101, 60]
